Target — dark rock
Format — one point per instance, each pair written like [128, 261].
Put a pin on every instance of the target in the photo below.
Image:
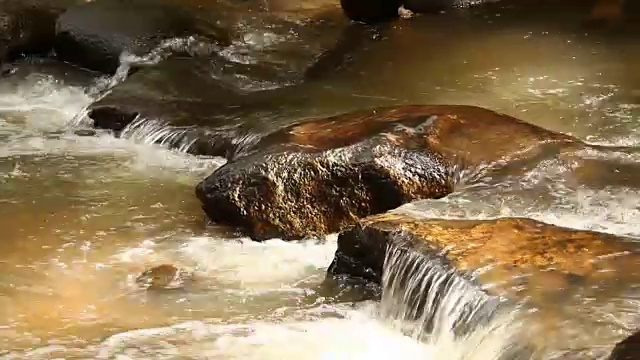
[317, 177]
[627, 349]
[85, 132]
[217, 116]
[8, 70]
[31, 69]
[28, 26]
[96, 33]
[370, 11]
[164, 277]
[187, 96]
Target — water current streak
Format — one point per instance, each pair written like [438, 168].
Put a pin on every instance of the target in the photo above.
[157, 132]
[425, 298]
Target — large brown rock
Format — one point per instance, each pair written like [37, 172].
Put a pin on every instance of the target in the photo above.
[28, 26]
[319, 176]
[430, 268]
[499, 252]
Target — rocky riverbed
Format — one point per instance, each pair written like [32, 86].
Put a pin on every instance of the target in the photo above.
[214, 179]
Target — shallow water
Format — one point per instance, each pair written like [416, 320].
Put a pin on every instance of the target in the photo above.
[82, 216]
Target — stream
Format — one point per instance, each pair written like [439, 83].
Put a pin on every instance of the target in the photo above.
[82, 216]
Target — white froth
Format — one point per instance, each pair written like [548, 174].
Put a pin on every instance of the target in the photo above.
[44, 103]
[256, 264]
[35, 116]
[613, 211]
[253, 266]
[356, 336]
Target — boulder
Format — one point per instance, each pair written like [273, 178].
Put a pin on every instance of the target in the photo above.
[28, 26]
[319, 176]
[95, 34]
[498, 254]
[214, 118]
[451, 273]
[627, 349]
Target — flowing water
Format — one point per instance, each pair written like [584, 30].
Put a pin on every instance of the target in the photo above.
[82, 216]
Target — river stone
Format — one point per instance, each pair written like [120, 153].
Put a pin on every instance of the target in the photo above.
[211, 118]
[94, 34]
[627, 349]
[500, 253]
[85, 132]
[27, 26]
[164, 277]
[319, 176]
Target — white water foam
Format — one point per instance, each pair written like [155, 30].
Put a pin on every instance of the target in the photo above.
[545, 194]
[40, 103]
[432, 303]
[354, 335]
[155, 131]
[239, 262]
[37, 114]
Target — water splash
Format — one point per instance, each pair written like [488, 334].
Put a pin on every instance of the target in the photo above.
[193, 46]
[425, 298]
[154, 131]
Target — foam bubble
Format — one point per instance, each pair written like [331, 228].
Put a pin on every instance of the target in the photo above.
[251, 266]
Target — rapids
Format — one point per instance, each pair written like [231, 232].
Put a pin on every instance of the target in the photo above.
[82, 216]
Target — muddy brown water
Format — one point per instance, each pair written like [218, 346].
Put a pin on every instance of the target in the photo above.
[80, 217]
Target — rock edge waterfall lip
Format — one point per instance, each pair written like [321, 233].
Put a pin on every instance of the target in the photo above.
[474, 252]
[320, 176]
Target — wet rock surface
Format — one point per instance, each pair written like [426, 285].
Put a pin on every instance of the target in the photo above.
[28, 26]
[85, 132]
[212, 117]
[164, 277]
[499, 253]
[627, 349]
[216, 96]
[95, 34]
[318, 176]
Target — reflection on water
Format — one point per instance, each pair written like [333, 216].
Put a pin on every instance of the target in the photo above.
[82, 216]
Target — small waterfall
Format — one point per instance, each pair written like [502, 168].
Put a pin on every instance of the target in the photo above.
[428, 300]
[151, 131]
[188, 45]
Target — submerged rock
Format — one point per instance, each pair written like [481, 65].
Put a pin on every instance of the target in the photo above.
[209, 118]
[85, 132]
[28, 26]
[164, 277]
[95, 34]
[627, 349]
[319, 176]
[499, 253]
